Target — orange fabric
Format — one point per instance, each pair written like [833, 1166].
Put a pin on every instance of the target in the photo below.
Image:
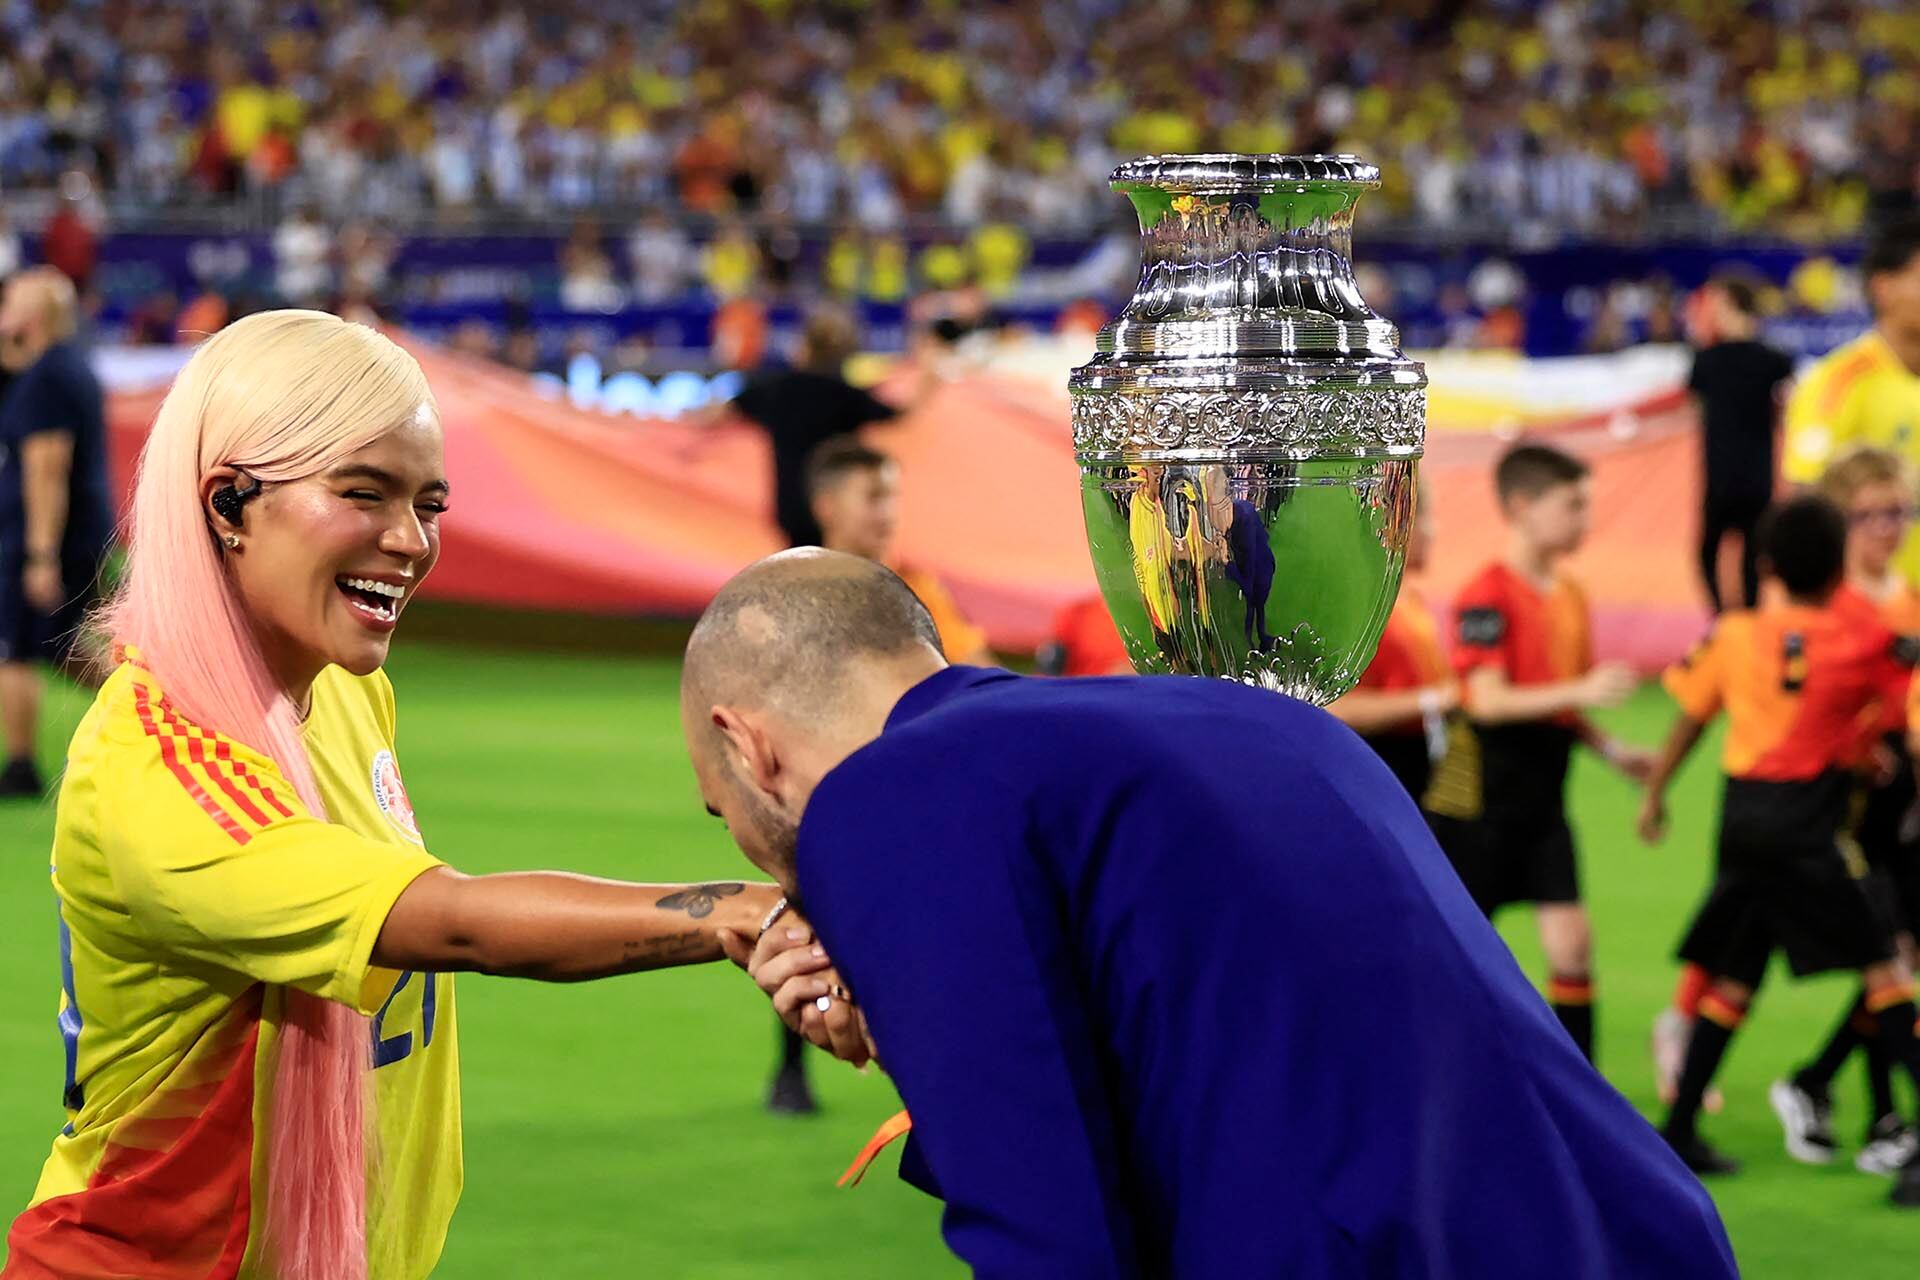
[1900, 613]
[895, 1127]
[1529, 636]
[1692, 986]
[1569, 991]
[1715, 1008]
[1794, 682]
[1840, 382]
[962, 640]
[182, 1167]
[1409, 655]
[1091, 643]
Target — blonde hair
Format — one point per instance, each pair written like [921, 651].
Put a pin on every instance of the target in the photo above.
[281, 395]
[1859, 466]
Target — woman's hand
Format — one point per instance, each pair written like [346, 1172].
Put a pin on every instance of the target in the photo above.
[807, 992]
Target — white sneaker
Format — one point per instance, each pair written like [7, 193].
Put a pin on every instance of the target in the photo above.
[1806, 1121]
[1888, 1149]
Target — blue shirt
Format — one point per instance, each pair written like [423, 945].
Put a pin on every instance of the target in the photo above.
[1175, 982]
[58, 392]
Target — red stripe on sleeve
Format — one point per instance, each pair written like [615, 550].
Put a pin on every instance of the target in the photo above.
[170, 757]
[197, 752]
[223, 750]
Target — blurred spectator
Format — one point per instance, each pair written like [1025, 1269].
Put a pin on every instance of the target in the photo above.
[803, 407]
[586, 272]
[661, 258]
[71, 243]
[202, 317]
[366, 257]
[1540, 119]
[521, 350]
[730, 263]
[475, 338]
[303, 258]
[739, 338]
[155, 321]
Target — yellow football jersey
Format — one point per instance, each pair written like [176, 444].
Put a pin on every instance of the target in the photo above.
[194, 889]
[1857, 394]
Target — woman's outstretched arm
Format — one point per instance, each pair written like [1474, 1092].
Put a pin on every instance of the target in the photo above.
[559, 927]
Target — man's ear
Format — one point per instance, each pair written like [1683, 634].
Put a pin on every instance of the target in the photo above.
[751, 747]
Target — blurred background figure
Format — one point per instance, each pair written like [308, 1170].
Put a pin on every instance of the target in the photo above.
[1737, 381]
[56, 515]
[854, 491]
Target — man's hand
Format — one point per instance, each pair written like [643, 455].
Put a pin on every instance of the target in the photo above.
[1653, 818]
[42, 585]
[799, 978]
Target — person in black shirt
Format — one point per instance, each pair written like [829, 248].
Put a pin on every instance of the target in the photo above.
[1737, 380]
[802, 408]
[56, 515]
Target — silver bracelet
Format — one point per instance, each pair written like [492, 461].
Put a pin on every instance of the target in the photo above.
[772, 918]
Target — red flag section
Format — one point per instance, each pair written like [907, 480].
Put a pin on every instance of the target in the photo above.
[561, 507]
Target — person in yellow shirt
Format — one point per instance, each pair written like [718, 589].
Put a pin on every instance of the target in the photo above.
[1868, 391]
[855, 492]
[256, 944]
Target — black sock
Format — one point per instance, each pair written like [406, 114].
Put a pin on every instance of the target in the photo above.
[1895, 1017]
[1571, 998]
[1817, 1076]
[792, 1049]
[1712, 1032]
[1880, 1081]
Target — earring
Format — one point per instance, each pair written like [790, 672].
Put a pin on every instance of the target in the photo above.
[232, 540]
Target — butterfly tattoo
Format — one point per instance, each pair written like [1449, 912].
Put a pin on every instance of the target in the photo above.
[699, 900]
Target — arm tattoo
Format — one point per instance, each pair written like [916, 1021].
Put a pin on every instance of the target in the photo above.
[698, 900]
[666, 946]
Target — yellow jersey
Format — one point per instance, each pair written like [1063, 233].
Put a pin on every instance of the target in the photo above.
[1857, 394]
[194, 889]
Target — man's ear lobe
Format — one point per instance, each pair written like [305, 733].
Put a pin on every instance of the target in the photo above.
[758, 758]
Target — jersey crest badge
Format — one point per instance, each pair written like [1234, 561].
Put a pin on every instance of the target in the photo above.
[391, 795]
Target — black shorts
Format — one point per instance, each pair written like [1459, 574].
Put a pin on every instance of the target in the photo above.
[27, 635]
[1893, 882]
[1809, 901]
[1503, 859]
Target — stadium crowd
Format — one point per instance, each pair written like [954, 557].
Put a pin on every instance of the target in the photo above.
[1794, 115]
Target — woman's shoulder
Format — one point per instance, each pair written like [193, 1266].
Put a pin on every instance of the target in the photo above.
[341, 697]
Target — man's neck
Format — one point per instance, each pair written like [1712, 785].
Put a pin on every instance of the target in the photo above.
[871, 697]
[1529, 561]
[1904, 345]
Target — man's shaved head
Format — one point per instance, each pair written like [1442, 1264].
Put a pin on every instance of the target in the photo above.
[795, 665]
[785, 632]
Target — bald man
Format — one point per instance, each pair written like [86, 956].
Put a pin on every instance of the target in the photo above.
[1118, 943]
[56, 516]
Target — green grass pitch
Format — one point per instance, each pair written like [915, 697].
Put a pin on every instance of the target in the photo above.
[614, 1128]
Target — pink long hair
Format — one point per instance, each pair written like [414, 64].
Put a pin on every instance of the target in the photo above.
[283, 395]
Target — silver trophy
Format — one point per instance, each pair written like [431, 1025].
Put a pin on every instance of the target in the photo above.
[1248, 431]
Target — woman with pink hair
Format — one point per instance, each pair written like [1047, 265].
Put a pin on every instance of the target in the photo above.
[256, 946]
